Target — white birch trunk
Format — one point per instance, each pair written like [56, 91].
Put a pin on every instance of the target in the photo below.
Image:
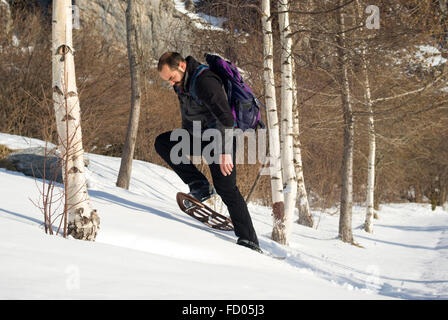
[133, 42]
[290, 192]
[272, 121]
[305, 217]
[83, 221]
[345, 218]
[368, 225]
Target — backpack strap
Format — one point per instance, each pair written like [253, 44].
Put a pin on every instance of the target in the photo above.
[192, 90]
[201, 68]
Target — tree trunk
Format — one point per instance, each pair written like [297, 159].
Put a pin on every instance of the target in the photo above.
[5, 18]
[273, 124]
[290, 192]
[305, 217]
[83, 221]
[368, 225]
[345, 219]
[370, 199]
[133, 42]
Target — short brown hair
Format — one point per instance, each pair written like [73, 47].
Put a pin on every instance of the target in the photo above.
[172, 59]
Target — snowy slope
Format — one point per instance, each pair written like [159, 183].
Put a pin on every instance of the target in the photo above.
[148, 249]
[200, 20]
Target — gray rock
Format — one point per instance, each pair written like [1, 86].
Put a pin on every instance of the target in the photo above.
[163, 28]
[39, 163]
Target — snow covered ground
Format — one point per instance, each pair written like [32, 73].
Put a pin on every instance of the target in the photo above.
[148, 249]
[200, 20]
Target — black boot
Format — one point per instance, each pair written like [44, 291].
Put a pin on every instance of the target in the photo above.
[249, 244]
[200, 190]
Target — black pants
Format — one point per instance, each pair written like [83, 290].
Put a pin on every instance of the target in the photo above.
[225, 186]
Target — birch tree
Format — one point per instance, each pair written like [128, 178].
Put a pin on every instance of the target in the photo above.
[290, 192]
[345, 218]
[83, 221]
[370, 198]
[305, 217]
[273, 123]
[368, 225]
[304, 43]
[133, 42]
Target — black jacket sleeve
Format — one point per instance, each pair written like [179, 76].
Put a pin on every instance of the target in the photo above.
[210, 91]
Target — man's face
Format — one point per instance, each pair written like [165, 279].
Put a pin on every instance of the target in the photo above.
[173, 76]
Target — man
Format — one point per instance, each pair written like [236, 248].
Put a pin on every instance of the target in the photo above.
[211, 109]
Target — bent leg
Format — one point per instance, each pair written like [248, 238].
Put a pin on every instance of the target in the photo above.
[186, 170]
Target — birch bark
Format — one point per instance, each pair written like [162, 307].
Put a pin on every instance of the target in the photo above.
[305, 217]
[275, 167]
[290, 192]
[368, 225]
[83, 221]
[345, 218]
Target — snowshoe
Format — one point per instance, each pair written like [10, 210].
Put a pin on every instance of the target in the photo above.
[203, 213]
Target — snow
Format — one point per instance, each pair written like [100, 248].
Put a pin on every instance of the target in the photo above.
[148, 249]
[426, 56]
[201, 20]
[15, 40]
[429, 56]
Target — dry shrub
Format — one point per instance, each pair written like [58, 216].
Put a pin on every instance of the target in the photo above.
[104, 90]
[4, 162]
[25, 75]
[26, 106]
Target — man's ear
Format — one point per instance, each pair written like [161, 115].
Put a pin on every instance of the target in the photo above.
[182, 66]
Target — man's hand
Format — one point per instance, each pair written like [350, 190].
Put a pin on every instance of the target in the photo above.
[226, 164]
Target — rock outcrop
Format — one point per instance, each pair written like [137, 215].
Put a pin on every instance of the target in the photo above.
[163, 27]
[39, 163]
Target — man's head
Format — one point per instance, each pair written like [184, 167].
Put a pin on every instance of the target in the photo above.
[172, 68]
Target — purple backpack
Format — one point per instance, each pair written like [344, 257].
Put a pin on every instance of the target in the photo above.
[245, 106]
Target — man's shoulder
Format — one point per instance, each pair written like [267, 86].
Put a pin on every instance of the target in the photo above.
[208, 77]
[192, 64]
[207, 80]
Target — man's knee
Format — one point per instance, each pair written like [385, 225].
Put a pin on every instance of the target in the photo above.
[160, 142]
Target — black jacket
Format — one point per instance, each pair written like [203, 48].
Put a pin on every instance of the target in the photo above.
[214, 110]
